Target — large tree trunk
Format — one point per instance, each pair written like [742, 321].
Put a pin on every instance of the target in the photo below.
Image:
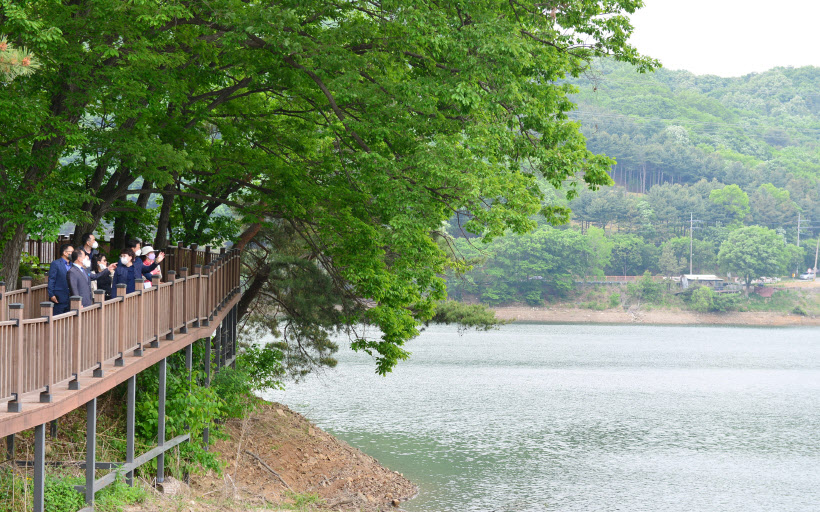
[11, 254]
[120, 234]
[257, 283]
[161, 241]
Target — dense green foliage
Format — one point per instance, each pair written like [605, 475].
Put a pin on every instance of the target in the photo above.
[361, 126]
[726, 153]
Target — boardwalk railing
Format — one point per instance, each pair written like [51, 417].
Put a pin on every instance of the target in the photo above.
[39, 351]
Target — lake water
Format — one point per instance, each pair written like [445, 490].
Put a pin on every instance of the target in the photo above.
[538, 417]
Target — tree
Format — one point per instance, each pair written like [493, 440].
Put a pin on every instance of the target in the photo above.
[627, 258]
[772, 205]
[361, 127]
[15, 62]
[733, 201]
[752, 252]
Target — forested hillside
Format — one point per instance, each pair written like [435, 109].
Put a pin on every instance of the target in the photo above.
[715, 154]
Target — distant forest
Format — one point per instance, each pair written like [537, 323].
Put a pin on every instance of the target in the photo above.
[714, 154]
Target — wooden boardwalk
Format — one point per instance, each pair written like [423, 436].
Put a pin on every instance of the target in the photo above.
[53, 364]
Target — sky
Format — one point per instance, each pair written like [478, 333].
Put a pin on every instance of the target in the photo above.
[729, 37]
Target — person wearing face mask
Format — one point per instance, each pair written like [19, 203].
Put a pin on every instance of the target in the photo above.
[149, 256]
[139, 268]
[79, 283]
[102, 273]
[90, 245]
[124, 274]
[57, 281]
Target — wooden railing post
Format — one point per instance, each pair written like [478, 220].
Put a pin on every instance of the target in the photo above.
[193, 261]
[140, 283]
[4, 308]
[197, 294]
[183, 273]
[220, 271]
[156, 306]
[172, 320]
[16, 313]
[47, 311]
[207, 290]
[76, 304]
[25, 282]
[120, 324]
[99, 348]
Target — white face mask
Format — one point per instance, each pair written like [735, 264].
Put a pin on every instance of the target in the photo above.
[124, 260]
[87, 263]
[95, 245]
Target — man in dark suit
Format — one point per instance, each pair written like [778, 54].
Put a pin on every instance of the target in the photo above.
[79, 282]
[57, 281]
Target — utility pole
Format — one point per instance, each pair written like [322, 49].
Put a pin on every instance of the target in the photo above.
[799, 225]
[816, 251]
[692, 228]
[798, 229]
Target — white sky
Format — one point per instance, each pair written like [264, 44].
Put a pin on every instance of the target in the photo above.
[729, 37]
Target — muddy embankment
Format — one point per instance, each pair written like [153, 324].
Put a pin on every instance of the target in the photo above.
[277, 460]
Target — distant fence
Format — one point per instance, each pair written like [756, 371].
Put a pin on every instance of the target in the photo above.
[618, 279]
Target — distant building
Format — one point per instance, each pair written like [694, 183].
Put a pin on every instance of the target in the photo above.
[710, 280]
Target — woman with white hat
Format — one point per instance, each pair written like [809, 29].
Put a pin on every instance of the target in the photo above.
[149, 257]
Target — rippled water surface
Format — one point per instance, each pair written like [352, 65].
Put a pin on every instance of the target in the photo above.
[540, 417]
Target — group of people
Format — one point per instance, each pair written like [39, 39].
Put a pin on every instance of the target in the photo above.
[77, 272]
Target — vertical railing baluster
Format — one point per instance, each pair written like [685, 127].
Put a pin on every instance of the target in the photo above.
[120, 332]
[4, 308]
[198, 295]
[141, 318]
[156, 308]
[183, 274]
[99, 350]
[172, 320]
[25, 282]
[16, 313]
[47, 311]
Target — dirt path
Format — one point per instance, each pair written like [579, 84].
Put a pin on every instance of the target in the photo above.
[655, 316]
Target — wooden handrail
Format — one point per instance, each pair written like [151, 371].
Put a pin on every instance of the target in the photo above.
[43, 352]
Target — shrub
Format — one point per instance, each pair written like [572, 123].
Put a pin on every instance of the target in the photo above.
[614, 300]
[703, 299]
[646, 289]
[60, 496]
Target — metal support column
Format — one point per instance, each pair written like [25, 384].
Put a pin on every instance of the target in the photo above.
[163, 366]
[129, 427]
[218, 345]
[206, 432]
[90, 449]
[39, 467]
[189, 365]
[235, 323]
[10, 446]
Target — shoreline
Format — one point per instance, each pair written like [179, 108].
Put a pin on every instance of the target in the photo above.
[567, 315]
[276, 459]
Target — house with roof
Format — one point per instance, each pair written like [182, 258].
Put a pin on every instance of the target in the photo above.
[710, 280]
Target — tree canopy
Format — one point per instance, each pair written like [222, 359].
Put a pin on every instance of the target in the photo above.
[754, 252]
[351, 131]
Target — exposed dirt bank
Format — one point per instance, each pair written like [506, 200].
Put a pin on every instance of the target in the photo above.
[654, 316]
[276, 459]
